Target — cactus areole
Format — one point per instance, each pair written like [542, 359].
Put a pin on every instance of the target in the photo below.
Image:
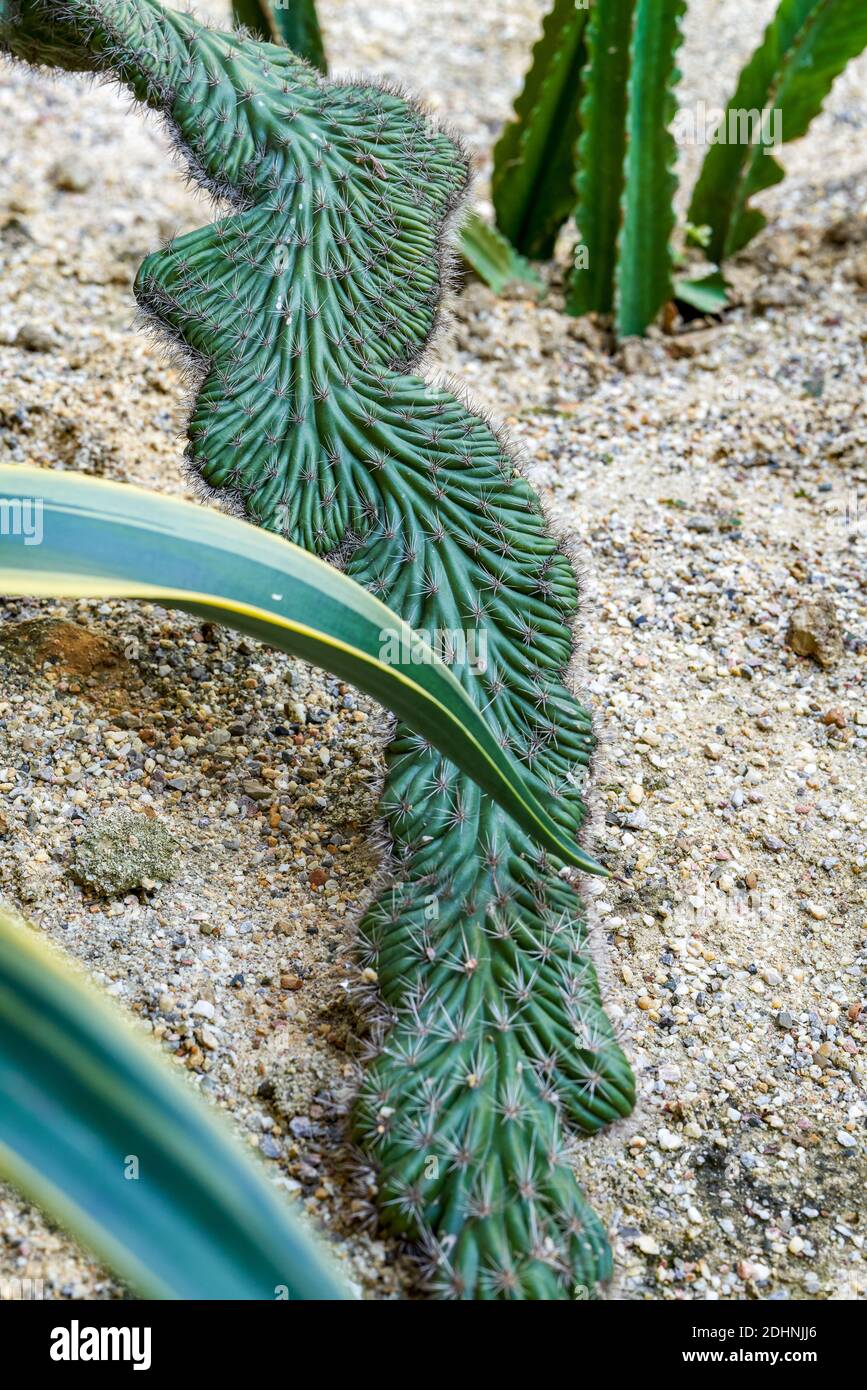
[306, 309]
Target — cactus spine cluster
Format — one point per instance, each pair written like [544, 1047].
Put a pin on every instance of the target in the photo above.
[307, 309]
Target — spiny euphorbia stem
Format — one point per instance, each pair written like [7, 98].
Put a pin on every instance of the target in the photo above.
[307, 309]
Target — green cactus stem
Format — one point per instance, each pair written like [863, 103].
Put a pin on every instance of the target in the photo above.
[534, 158]
[307, 309]
[806, 45]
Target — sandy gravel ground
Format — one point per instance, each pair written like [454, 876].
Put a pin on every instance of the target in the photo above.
[711, 482]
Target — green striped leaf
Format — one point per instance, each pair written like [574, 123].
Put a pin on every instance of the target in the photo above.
[103, 540]
[708, 294]
[83, 1097]
[493, 257]
[805, 47]
[531, 183]
[644, 269]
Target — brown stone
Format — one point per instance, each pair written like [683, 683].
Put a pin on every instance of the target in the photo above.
[815, 630]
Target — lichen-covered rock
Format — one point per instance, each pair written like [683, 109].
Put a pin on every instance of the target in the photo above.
[814, 630]
[123, 851]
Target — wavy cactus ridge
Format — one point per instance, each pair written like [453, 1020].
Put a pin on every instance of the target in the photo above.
[307, 310]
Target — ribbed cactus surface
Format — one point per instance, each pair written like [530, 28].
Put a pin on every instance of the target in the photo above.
[307, 308]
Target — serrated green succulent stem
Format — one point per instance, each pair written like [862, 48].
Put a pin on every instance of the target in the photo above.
[533, 159]
[644, 261]
[601, 155]
[805, 47]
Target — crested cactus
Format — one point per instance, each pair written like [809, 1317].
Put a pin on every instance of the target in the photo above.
[306, 309]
